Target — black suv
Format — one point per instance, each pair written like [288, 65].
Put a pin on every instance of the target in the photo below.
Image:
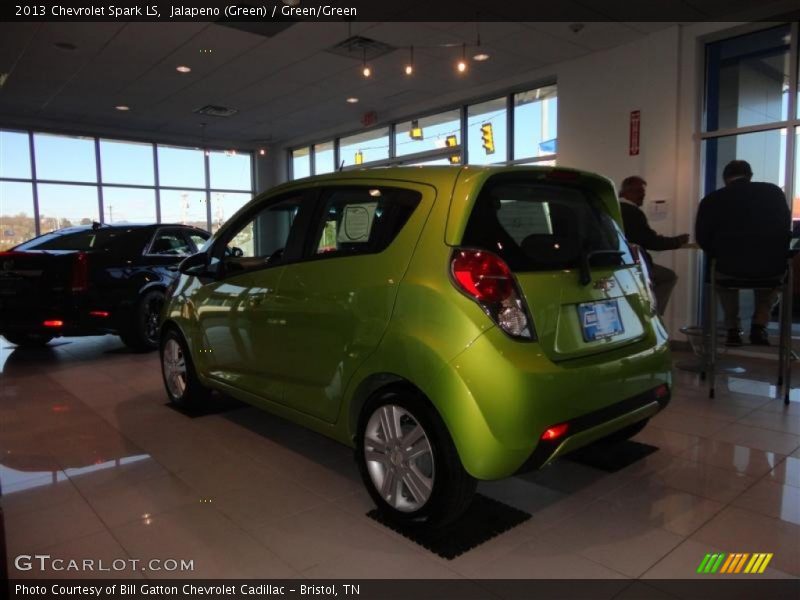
[92, 280]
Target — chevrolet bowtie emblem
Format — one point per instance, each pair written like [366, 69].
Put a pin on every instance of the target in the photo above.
[604, 284]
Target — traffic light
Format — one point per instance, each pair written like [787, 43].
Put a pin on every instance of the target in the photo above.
[487, 136]
[359, 158]
[451, 141]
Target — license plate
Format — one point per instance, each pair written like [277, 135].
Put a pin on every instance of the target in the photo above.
[600, 320]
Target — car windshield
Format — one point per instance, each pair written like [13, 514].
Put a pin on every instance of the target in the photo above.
[537, 226]
[87, 239]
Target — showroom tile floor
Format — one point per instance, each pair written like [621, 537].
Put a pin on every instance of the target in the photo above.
[94, 464]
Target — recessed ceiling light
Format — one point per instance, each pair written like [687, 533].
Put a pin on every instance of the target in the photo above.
[481, 57]
[183, 69]
[352, 100]
[122, 107]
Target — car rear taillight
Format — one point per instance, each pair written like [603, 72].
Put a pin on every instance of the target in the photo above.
[563, 175]
[485, 278]
[53, 323]
[555, 432]
[80, 273]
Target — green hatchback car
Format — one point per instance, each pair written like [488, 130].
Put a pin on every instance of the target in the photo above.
[452, 324]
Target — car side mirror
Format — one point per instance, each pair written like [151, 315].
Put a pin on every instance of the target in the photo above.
[196, 264]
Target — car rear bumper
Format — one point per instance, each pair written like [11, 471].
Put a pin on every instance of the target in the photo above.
[598, 424]
[75, 321]
[500, 396]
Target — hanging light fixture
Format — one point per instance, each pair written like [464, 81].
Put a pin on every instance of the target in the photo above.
[461, 65]
[410, 64]
[366, 70]
[416, 131]
[479, 55]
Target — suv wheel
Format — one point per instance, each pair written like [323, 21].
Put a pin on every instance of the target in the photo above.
[180, 378]
[29, 340]
[408, 461]
[142, 335]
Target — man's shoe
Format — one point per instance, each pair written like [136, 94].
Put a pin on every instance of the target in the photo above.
[734, 337]
[758, 335]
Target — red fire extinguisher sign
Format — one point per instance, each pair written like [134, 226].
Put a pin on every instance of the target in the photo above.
[636, 121]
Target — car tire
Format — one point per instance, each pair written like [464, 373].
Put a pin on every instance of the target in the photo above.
[178, 373]
[625, 433]
[143, 332]
[424, 482]
[28, 340]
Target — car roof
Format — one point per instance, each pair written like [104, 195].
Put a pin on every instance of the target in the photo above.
[438, 176]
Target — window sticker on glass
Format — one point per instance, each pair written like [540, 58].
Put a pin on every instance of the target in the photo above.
[357, 222]
[521, 219]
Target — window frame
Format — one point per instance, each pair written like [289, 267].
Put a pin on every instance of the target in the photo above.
[100, 183]
[460, 149]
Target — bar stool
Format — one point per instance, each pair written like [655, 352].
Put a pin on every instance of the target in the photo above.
[754, 262]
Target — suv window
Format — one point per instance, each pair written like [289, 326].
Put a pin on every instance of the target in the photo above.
[199, 240]
[536, 226]
[170, 242]
[361, 220]
[87, 239]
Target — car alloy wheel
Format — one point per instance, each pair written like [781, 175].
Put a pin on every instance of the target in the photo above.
[174, 365]
[399, 458]
[152, 314]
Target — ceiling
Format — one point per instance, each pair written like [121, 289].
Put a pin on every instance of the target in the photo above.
[285, 84]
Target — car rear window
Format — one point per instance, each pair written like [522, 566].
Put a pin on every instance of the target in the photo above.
[536, 226]
[89, 239]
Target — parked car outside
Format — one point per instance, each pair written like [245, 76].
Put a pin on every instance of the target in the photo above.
[452, 324]
[92, 280]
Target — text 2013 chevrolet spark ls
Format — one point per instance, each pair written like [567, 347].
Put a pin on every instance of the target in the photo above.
[452, 324]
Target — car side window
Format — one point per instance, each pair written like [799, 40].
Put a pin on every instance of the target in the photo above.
[170, 242]
[361, 220]
[262, 239]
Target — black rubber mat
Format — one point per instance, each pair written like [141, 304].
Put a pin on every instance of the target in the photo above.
[611, 457]
[216, 405]
[485, 518]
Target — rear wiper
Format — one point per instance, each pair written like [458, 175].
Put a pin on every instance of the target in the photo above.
[586, 259]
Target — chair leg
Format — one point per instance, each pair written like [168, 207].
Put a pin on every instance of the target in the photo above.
[788, 352]
[782, 338]
[712, 342]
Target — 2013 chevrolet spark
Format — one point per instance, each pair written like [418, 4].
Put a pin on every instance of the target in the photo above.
[450, 323]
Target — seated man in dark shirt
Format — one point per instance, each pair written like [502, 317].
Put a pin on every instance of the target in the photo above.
[639, 232]
[743, 207]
